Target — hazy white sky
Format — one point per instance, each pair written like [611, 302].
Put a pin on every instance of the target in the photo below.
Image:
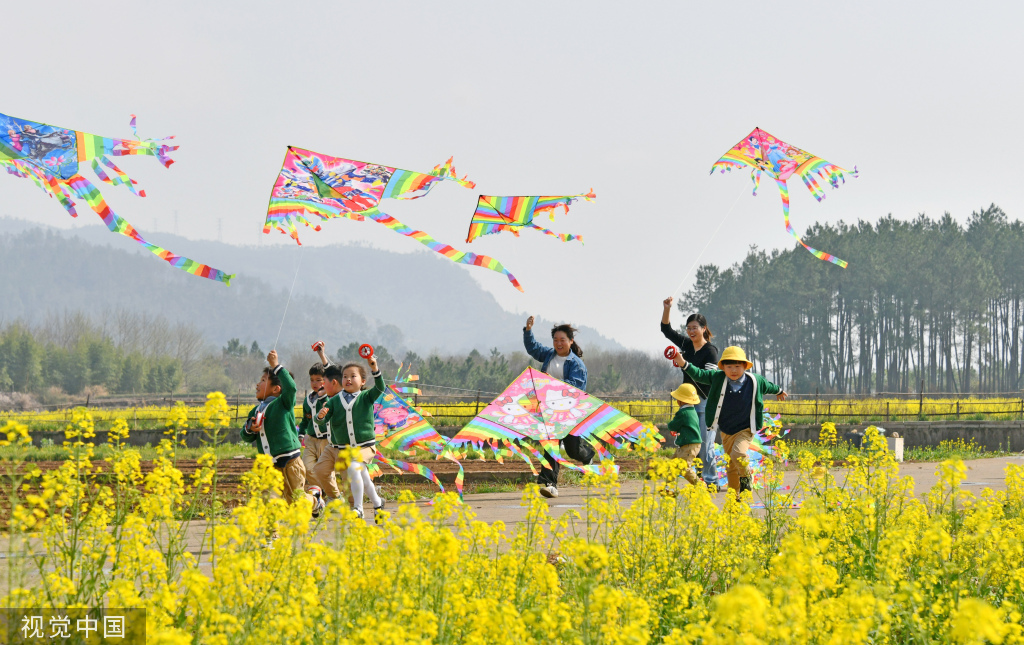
[634, 99]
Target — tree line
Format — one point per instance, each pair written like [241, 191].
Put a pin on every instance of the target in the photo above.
[926, 300]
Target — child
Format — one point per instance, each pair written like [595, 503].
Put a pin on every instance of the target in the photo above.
[735, 405]
[349, 413]
[271, 426]
[318, 435]
[687, 428]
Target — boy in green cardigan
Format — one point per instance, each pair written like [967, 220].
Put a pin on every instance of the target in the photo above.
[349, 415]
[686, 427]
[271, 426]
[735, 406]
[317, 434]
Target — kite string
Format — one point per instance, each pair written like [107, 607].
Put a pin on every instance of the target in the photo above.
[287, 302]
[706, 244]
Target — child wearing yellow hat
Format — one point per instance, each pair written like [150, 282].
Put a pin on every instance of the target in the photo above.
[687, 428]
[735, 406]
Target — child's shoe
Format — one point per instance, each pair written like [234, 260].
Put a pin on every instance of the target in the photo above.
[378, 509]
[549, 491]
[744, 484]
[358, 512]
[318, 500]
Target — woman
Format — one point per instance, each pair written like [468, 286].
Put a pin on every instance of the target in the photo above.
[564, 361]
[696, 348]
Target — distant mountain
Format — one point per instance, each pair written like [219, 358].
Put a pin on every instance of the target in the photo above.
[419, 302]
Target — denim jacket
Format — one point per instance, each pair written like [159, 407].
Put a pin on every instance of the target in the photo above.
[574, 370]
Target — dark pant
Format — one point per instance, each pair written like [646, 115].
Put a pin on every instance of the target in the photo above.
[576, 448]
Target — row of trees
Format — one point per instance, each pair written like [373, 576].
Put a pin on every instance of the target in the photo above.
[922, 300]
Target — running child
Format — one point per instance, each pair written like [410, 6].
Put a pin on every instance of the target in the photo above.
[735, 405]
[271, 427]
[349, 411]
[317, 434]
[686, 428]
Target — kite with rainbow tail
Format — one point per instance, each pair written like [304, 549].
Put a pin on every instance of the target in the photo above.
[51, 157]
[766, 154]
[495, 214]
[535, 412]
[311, 183]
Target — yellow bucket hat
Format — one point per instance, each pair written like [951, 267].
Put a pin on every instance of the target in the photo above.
[734, 353]
[686, 393]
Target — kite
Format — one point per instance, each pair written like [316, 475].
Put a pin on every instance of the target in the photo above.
[311, 183]
[542, 409]
[496, 214]
[400, 427]
[764, 153]
[51, 157]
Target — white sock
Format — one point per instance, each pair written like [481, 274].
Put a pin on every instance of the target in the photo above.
[355, 481]
[371, 490]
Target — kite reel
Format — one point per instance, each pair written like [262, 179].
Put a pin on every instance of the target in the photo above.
[670, 352]
[318, 346]
[366, 350]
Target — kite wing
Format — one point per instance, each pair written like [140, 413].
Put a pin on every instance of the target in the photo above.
[495, 214]
[764, 153]
[315, 184]
[51, 157]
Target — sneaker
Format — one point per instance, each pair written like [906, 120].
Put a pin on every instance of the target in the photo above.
[358, 512]
[744, 484]
[549, 491]
[318, 500]
[377, 511]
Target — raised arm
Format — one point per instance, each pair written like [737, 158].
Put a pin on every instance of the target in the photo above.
[287, 382]
[698, 374]
[379, 384]
[666, 326]
[536, 351]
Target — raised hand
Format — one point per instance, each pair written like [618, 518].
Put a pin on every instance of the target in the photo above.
[272, 358]
[529, 323]
[667, 302]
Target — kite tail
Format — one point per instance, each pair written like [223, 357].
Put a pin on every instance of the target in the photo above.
[447, 171]
[84, 189]
[47, 183]
[119, 176]
[756, 178]
[459, 257]
[825, 170]
[408, 467]
[562, 237]
[514, 449]
[821, 255]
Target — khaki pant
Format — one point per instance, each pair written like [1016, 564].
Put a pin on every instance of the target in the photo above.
[294, 473]
[687, 452]
[736, 446]
[310, 455]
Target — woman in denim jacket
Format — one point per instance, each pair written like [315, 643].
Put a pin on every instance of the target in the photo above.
[564, 362]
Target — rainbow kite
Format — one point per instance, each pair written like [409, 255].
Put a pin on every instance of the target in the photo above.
[400, 427]
[764, 153]
[540, 408]
[495, 214]
[311, 183]
[51, 156]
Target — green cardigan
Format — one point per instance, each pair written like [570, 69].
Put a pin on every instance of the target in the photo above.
[686, 426]
[716, 379]
[278, 437]
[352, 424]
[310, 425]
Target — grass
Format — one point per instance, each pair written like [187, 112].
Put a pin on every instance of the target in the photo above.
[953, 449]
[102, 451]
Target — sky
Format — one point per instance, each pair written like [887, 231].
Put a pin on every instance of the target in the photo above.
[634, 99]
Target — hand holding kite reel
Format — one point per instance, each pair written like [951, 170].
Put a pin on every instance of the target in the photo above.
[366, 351]
[671, 352]
[318, 346]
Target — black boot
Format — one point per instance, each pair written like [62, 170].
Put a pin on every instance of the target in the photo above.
[744, 484]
